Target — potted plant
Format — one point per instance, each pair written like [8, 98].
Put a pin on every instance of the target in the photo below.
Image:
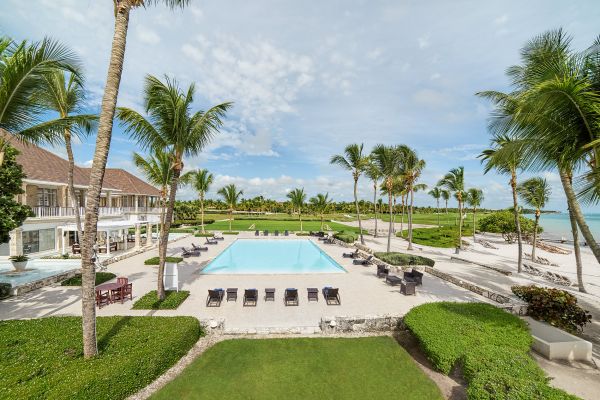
[19, 262]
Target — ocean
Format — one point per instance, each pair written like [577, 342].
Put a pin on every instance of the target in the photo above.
[557, 226]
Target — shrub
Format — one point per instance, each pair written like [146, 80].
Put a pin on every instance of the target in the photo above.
[181, 230]
[504, 222]
[101, 277]
[180, 222]
[404, 259]
[230, 233]
[554, 306]
[150, 301]
[207, 234]
[302, 233]
[155, 260]
[445, 236]
[346, 236]
[4, 290]
[491, 345]
[43, 358]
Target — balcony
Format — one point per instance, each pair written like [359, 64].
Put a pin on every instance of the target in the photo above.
[141, 210]
[60, 212]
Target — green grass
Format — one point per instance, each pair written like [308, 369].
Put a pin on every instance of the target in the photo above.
[155, 260]
[43, 358]
[101, 277]
[272, 225]
[491, 345]
[395, 258]
[283, 216]
[150, 301]
[446, 236]
[316, 368]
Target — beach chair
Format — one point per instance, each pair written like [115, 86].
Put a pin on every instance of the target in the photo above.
[218, 236]
[211, 241]
[276, 233]
[286, 233]
[250, 297]
[214, 298]
[232, 294]
[185, 253]
[332, 296]
[290, 297]
[366, 261]
[266, 233]
[354, 254]
[256, 233]
[199, 248]
[270, 294]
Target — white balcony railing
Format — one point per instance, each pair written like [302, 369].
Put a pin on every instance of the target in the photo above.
[141, 210]
[58, 212]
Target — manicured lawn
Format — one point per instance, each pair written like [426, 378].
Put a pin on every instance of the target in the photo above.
[42, 358]
[432, 218]
[101, 277]
[395, 258]
[364, 368]
[155, 260]
[446, 236]
[491, 345]
[272, 225]
[172, 300]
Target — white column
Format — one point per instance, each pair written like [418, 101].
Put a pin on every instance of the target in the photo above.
[125, 234]
[108, 242]
[138, 235]
[135, 199]
[62, 236]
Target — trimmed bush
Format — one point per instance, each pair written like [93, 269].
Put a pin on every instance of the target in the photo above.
[395, 258]
[346, 236]
[207, 234]
[491, 345]
[43, 358]
[230, 233]
[150, 301]
[155, 260]
[4, 290]
[180, 222]
[181, 230]
[101, 277]
[302, 233]
[557, 307]
[504, 222]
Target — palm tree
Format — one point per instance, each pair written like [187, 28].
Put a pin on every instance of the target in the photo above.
[505, 164]
[474, 199]
[122, 9]
[24, 67]
[298, 198]
[446, 196]
[321, 203]
[172, 127]
[372, 172]
[410, 170]
[201, 180]
[454, 182]
[231, 195]
[535, 192]
[436, 193]
[353, 160]
[387, 158]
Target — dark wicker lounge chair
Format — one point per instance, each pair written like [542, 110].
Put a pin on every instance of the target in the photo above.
[270, 294]
[290, 298]
[266, 233]
[313, 294]
[211, 241]
[407, 288]
[382, 272]
[232, 294]
[199, 248]
[414, 276]
[354, 254]
[189, 253]
[256, 233]
[250, 297]
[214, 298]
[286, 233]
[365, 261]
[332, 296]
[276, 233]
[393, 280]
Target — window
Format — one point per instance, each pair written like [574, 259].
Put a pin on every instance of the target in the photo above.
[46, 197]
[37, 241]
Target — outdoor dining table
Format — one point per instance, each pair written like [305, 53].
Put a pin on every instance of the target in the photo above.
[109, 287]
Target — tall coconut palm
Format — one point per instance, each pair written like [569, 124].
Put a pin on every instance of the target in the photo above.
[24, 68]
[436, 193]
[321, 202]
[372, 172]
[454, 182]
[387, 159]
[200, 180]
[535, 192]
[171, 126]
[446, 196]
[474, 199]
[509, 165]
[297, 198]
[410, 169]
[122, 9]
[354, 161]
[231, 195]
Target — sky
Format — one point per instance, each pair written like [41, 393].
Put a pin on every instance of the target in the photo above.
[309, 77]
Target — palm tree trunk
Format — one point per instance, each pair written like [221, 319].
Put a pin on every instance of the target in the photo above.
[535, 229]
[401, 215]
[163, 241]
[202, 211]
[105, 123]
[362, 239]
[230, 218]
[513, 185]
[70, 185]
[474, 211]
[375, 204]
[460, 222]
[577, 251]
[438, 212]
[321, 222]
[410, 211]
[389, 241]
[578, 214]
[300, 216]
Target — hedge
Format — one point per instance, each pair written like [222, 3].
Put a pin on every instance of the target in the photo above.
[43, 358]
[346, 237]
[207, 234]
[395, 258]
[230, 233]
[150, 301]
[101, 277]
[181, 230]
[155, 260]
[179, 222]
[491, 345]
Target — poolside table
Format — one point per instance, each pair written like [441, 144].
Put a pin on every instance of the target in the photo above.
[393, 280]
[109, 287]
[313, 294]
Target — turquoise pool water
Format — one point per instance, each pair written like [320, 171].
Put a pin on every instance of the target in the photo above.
[36, 269]
[265, 256]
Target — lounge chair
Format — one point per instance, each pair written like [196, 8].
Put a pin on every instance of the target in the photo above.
[286, 233]
[407, 288]
[232, 294]
[332, 296]
[290, 297]
[329, 240]
[393, 280]
[189, 253]
[211, 241]
[382, 272]
[250, 297]
[199, 248]
[414, 276]
[266, 233]
[276, 233]
[269, 294]
[218, 236]
[214, 298]
[313, 294]
[354, 254]
[366, 261]
[256, 233]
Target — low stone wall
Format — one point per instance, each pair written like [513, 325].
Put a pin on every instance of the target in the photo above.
[141, 250]
[213, 326]
[359, 324]
[28, 287]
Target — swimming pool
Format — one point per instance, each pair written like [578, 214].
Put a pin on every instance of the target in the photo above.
[37, 269]
[273, 256]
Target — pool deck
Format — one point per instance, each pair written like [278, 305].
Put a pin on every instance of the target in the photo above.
[362, 293]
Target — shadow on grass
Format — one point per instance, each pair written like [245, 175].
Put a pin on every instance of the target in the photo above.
[112, 332]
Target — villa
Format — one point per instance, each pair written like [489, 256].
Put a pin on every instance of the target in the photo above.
[126, 202]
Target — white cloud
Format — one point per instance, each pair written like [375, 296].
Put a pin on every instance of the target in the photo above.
[431, 98]
[501, 20]
[146, 35]
[435, 76]
[423, 42]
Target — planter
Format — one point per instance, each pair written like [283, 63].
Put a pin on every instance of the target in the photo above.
[171, 276]
[19, 266]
